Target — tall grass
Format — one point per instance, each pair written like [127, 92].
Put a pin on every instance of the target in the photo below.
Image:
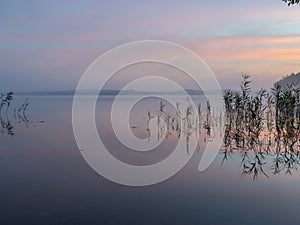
[5, 102]
[19, 114]
[261, 123]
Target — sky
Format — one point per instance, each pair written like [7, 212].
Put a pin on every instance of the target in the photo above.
[47, 45]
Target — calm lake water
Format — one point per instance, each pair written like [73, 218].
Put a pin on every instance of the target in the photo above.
[45, 180]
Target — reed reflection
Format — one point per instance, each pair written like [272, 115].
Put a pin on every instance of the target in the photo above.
[263, 128]
[188, 121]
[10, 114]
[6, 127]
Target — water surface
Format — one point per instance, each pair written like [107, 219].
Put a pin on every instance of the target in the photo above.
[45, 180]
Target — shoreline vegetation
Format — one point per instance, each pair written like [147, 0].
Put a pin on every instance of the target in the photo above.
[264, 123]
[261, 126]
[9, 112]
[5, 103]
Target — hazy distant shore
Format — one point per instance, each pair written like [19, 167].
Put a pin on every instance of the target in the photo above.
[111, 92]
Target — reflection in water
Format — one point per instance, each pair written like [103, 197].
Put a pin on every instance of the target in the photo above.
[6, 127]
[281, 149]
[42, 172]
[188, 121]
[19, 114]
[263, 128]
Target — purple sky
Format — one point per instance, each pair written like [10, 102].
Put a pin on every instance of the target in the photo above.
[47, 45]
